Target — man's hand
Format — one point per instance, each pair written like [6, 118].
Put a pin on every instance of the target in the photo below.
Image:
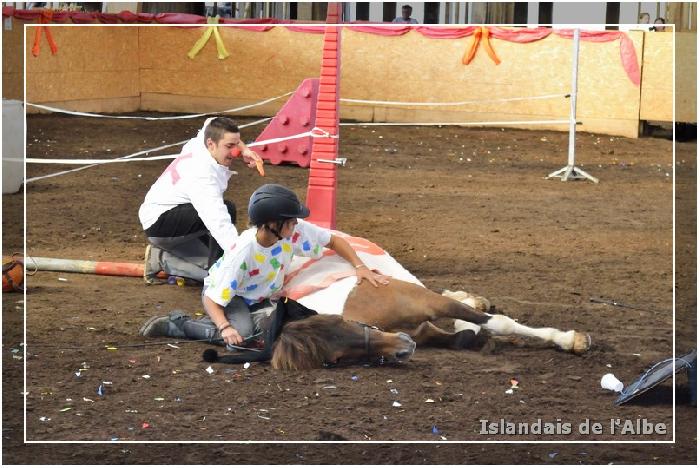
[231, 336]
[252, 159]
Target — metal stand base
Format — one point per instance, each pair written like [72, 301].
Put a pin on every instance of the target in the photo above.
[571, 172]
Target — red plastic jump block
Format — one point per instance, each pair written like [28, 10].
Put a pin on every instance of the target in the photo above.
[298, 115]
[323, 177]
[321, 203]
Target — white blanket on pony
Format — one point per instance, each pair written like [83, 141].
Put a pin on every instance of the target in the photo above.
[324, 284]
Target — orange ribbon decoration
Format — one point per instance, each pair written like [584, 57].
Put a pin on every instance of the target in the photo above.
[46, 16]
[483, 31]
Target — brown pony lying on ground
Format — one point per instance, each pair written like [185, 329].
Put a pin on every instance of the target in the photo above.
[385, 323]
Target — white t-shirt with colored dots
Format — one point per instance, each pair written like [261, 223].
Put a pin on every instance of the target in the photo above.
[254, 272]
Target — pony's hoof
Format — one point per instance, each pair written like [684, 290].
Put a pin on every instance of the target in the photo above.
[582, 343]
[481, 303]
[475, 302]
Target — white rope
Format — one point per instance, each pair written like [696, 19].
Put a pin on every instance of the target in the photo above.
[133, 155]
[130, 156]
[313, 133]
[190, 116]
[93, 161]
[508, 122]
[459, 103]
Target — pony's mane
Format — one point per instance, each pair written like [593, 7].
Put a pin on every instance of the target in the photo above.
[305, 344]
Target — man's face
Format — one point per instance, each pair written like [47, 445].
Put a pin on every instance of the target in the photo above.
[221, 150]
[406, 13]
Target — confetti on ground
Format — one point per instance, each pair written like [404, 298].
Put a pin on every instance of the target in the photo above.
[145, 425]
[246, 365]
[209, 370]
[19, 358]
[329, 387]
[355, 378]
[88, 400]
[514, 383]
[264, 417]
[132, 361]
[435, 430]
[62, 279]
[146, 376]
[44, 419]
[173, 346]
[159, 399]
[14, 350]
[394, 391]
[68, 408]
[430, 400]
[91, 328]
[101, 390]
[396, 404]
[111, 348]
[509, 391]
[389, 381]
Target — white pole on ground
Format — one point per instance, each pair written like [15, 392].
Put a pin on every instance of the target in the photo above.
[570, 171]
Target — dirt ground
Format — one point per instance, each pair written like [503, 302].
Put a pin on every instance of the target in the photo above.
[460, 208]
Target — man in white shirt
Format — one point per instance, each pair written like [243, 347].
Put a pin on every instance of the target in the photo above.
[184, 215]
[405, 17]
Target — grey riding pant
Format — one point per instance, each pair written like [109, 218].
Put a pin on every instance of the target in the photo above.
[247, 320]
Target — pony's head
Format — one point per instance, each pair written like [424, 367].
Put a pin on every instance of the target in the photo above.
[328, 339]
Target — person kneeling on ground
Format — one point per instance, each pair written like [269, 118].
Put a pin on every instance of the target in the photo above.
[184, 215]
[237, 292]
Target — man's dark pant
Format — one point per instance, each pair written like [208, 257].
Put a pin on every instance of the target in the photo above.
[182, 245]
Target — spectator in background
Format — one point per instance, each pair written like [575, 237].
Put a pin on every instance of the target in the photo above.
[659, 25]
[405, 17]
[644, 18]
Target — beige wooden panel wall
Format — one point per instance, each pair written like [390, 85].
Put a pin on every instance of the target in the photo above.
[412, 67]
[260, 66]
[415, 68]
[12, 78]
[96, 68]
[657, 78]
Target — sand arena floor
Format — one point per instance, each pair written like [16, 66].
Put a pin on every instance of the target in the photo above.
[460, 208]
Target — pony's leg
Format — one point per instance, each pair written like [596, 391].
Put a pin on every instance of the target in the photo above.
[567, 340]
[429, 334]
[503, 325]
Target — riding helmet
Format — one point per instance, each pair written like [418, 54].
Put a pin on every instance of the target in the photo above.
[273, 202]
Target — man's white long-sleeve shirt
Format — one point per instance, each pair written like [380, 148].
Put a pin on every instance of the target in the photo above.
[193, 177]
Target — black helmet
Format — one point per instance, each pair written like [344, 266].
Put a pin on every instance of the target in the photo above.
[273, 202]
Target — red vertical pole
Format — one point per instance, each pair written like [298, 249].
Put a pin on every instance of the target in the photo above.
[321, 192]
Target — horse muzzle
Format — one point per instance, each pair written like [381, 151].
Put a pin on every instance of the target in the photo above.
[405, 349]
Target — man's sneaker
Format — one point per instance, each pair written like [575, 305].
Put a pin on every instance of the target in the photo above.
[151, 266]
